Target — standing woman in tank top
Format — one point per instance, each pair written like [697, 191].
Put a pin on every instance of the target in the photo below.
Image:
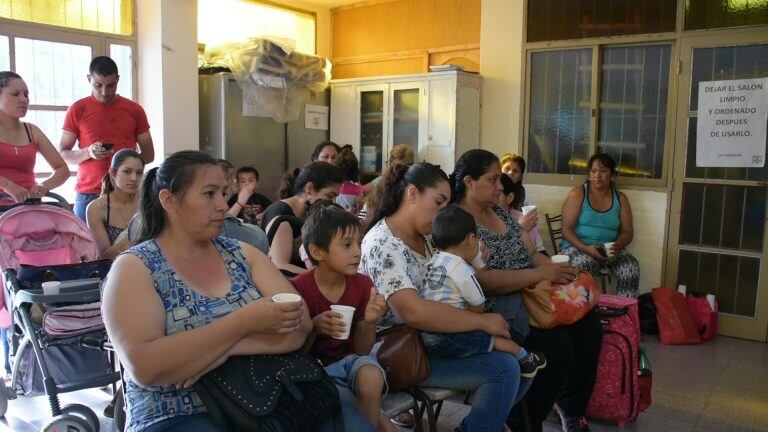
[595, 214]
[19, 144]
[108, 216]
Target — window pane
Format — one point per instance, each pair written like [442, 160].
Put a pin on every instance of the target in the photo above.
[50, 122]
[5, 53]
[108, 16]
[573, 19]
[55, 72]
[727, 63]
[732, 279]
[723, 216]
[558, 136]
[123, 56]
[221, 21]
[707, 14]
[633, 108]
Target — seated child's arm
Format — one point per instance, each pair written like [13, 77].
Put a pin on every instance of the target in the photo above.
[478, 309]
[365, 329]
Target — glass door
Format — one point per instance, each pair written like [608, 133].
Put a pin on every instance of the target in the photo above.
[407, 118]
[373, 133]
[717, 224]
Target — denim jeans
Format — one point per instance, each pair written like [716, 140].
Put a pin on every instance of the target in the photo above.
[204, 423]
[457, 345]
[6, 351]
[81, 204]
[496, 378]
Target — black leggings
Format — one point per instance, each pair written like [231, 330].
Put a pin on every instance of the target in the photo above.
[572, 352]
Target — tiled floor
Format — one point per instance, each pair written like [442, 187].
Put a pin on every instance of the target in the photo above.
[718, 386]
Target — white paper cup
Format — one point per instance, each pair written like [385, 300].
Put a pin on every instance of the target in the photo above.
[560, 258]
[527, 209]
[682, 289]
[609, 252]
[286, 298]
[347, 313]
[51, 288]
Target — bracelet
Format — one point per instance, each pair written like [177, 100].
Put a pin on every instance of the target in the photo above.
[241, 205]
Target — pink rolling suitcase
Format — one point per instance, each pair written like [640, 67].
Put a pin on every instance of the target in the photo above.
[616, 395]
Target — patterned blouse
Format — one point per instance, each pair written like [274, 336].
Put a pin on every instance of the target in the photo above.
[507, 252]
[392, 265]
[185, 309]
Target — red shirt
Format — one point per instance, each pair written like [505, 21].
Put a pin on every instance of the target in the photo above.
[17, 163]
[356, 294]
[90, 120]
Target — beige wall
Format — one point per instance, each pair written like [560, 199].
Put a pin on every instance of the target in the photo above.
[501, 46]
[501, 64]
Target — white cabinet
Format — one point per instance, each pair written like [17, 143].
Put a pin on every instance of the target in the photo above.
[437, 113]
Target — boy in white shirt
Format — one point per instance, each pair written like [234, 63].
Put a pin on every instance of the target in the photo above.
[450, 279]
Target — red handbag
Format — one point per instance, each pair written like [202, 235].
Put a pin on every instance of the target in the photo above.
[703, 315]
[676, 325]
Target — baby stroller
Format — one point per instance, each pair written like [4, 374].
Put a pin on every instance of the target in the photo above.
[53, 330]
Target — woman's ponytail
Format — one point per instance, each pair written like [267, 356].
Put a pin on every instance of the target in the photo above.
[150, 210]
[422, 175]
[106, 184]
[286, 184]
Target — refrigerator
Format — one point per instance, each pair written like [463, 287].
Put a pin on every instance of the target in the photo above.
[270, 147]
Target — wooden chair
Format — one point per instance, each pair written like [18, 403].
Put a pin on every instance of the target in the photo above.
[555, 228]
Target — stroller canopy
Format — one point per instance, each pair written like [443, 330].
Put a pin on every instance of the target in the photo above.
[44, 235]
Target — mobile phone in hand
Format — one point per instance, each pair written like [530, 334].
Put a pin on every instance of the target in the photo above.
[107, 146]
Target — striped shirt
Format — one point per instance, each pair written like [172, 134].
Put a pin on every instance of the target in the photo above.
[449, 279]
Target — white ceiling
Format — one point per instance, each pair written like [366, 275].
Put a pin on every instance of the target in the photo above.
[330, 3]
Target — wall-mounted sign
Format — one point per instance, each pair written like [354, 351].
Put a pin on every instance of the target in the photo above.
[316, 117]
[731, 123]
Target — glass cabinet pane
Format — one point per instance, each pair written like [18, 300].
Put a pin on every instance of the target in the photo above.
[709, 14]
[405, 121]
[5, 53]
[371, 131]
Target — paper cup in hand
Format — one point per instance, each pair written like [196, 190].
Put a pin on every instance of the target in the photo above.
[609, 252]
[560, 259]
[529, 208]
[347, 313]
[51, 288]
[286, 298]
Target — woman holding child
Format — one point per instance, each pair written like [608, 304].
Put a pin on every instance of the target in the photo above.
[514, 264]
[184, 300]
[395, 251]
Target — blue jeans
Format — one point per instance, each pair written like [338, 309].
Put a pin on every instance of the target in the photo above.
[204, 423]
[344, 372]
[6, 351]
[457, 345]
[496, 378]
[81, 204]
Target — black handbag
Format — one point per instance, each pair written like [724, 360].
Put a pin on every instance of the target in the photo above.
[282, 393]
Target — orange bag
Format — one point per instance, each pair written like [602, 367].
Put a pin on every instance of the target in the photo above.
[550, 305]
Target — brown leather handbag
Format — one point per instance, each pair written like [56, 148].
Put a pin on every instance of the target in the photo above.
[403, 357]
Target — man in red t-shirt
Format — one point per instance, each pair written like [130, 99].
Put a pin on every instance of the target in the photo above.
[102, 124]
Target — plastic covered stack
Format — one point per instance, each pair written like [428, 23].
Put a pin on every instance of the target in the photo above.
[271, 75]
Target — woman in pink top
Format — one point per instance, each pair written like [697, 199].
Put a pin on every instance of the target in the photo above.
[19, 145]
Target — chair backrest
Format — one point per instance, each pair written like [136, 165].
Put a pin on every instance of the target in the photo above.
[555, 232]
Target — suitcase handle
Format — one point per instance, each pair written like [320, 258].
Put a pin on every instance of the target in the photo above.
[610, 312]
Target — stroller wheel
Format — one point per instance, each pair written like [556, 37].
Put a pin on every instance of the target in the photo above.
[83, 412]
[120, 413]
[67, 423]
[4, 396]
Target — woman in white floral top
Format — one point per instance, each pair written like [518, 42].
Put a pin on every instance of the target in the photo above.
[395, 251]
